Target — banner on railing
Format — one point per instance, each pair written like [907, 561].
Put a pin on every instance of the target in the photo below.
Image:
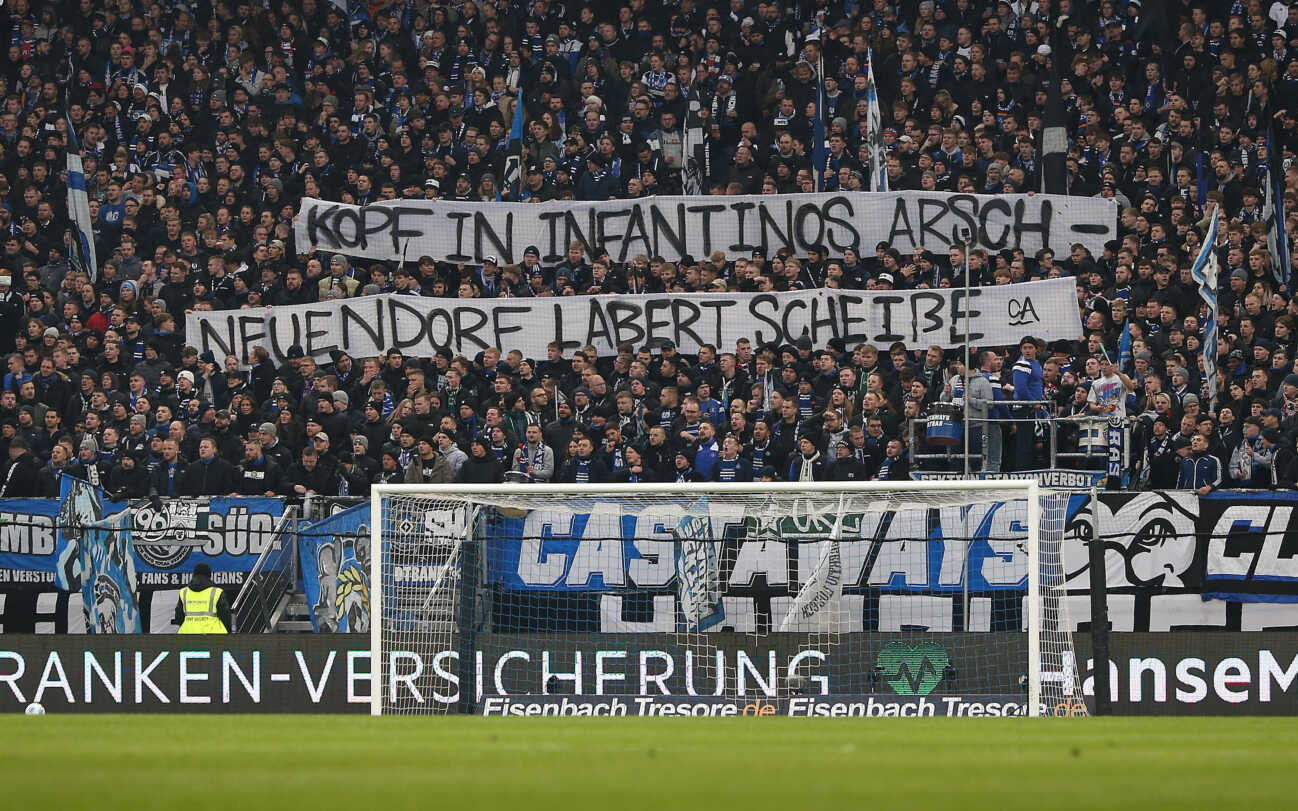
[1173, 560]
[28, 530]
[335, 556]
[41, 552]
[672, 227]
[106, 576]
[1054, 478]
[596, 551]
[418, 325]
[227, 533]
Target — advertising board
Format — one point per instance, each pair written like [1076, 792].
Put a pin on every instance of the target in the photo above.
[875, 675]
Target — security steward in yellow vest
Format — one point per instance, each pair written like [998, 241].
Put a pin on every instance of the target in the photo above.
[203, 607]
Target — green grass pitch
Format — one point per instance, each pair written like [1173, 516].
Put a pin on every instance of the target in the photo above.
[246, 762]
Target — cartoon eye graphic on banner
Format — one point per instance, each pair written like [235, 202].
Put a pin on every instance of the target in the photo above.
[1162, 546]
[1077, 539]
[1152, 532]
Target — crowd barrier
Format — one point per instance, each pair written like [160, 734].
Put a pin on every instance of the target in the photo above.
[937, 443]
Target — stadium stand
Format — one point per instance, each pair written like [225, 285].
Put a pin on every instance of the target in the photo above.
[200, 128]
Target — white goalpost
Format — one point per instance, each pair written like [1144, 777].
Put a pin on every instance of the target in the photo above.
[875, 598]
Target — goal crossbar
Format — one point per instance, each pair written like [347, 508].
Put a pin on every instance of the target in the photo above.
[661, 488]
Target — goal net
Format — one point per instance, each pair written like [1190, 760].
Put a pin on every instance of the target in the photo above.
[908, 598]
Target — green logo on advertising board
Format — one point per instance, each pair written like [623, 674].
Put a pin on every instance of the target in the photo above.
[912, 670]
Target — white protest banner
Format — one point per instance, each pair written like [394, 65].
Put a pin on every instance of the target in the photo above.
[672, 227]
[419, 326]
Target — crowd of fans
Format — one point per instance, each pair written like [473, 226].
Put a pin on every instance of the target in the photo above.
[202, 124]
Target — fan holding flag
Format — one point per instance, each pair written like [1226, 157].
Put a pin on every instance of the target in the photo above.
[1108, 395]
[1108, 398]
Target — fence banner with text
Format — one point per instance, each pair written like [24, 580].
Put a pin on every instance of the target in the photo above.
[1173, 560]
[42, 567]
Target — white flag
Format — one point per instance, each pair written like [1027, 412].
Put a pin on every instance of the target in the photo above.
[818, 605]
[874, 132]
[692, 177]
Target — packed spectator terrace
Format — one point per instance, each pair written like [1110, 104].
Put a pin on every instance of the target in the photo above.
[201, 125]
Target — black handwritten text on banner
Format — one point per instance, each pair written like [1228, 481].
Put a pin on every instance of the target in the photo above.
[419, 326]
[672, 227]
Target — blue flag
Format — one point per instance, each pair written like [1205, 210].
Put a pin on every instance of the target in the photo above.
[513, 162]
[109, 587]
[1204, 272]
[1279, 234]
[1277, 240]
[1124, 348]
[82, 255]
[96, 556]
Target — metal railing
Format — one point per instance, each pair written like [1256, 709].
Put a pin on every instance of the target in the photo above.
[1093, 453]
[315, 508]
[272, 579]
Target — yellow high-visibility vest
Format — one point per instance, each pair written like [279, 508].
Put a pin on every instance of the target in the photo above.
[200, 611]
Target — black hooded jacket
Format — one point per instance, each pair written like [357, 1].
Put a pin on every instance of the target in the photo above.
[484, 469]
[131, 484]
